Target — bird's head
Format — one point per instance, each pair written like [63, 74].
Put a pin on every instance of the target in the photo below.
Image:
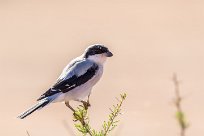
[97, 53]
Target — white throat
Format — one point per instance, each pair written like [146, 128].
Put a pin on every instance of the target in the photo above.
[98, 58]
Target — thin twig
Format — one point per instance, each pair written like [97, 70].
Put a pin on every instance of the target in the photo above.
[115, 114]
[81, 115]
[28, 134]
[179, 113]
[82, 119]
[83, 122]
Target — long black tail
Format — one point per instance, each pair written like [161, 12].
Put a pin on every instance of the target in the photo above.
[35, 107]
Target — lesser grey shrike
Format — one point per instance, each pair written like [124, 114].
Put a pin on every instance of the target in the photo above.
[76, 80]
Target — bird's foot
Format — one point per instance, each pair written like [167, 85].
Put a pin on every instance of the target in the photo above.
[86, 104]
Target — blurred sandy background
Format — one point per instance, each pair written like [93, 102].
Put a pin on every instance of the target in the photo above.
[150, 40]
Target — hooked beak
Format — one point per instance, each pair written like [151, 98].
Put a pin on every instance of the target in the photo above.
[109, 54]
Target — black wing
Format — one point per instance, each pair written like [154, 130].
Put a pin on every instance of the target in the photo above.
[67, 84]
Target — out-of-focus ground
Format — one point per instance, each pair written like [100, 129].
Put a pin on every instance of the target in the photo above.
[150, 40]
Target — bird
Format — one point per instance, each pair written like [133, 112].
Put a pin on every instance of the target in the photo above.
[76, 80]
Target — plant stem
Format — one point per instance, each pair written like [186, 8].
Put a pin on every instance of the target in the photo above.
[84, 123]
[81, 118]
[180, 112]
[114, 115]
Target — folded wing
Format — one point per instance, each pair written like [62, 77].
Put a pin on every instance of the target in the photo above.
[79, 73]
